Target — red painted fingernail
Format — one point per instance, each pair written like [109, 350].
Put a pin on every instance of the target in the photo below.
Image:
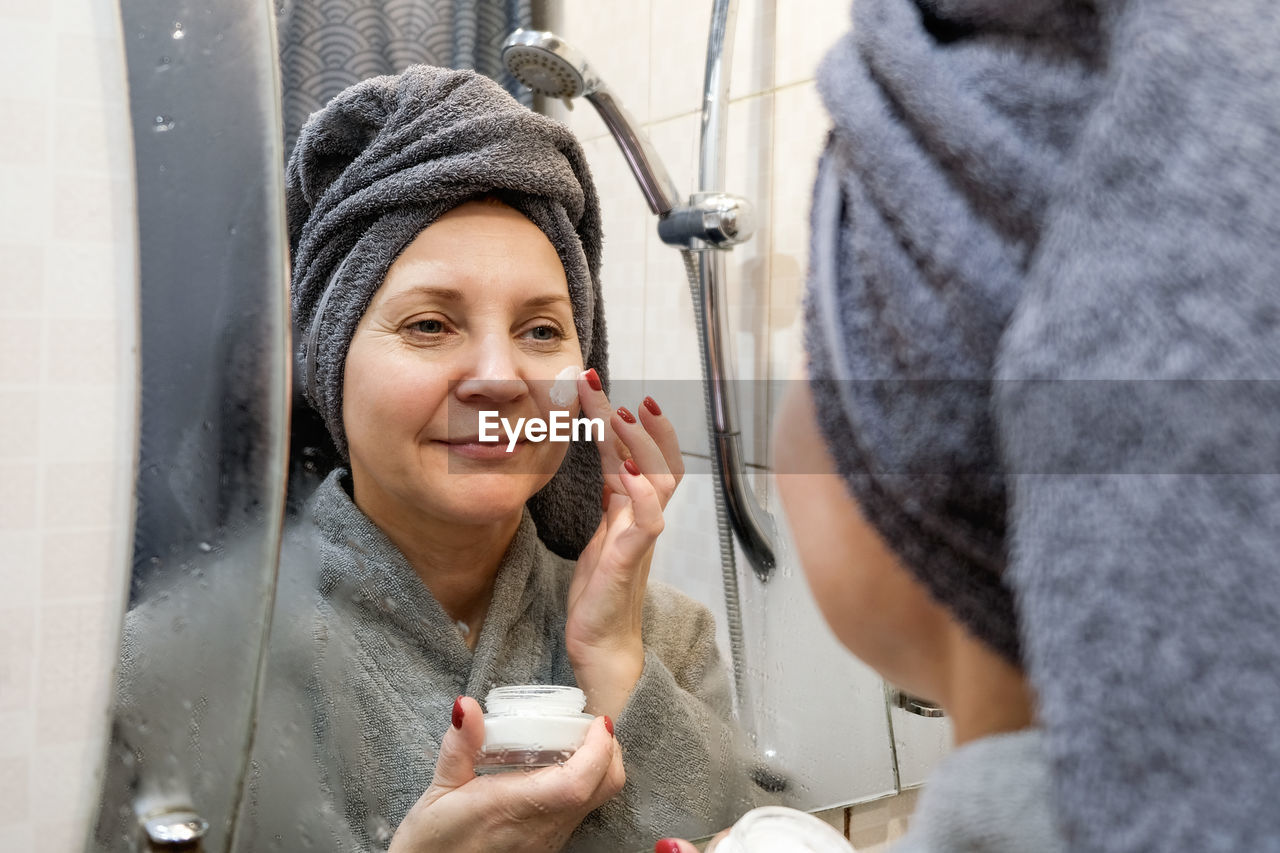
[625, 414]
[631, 467]
[458, 713]
[608, 725]
[593, 379]
[652, 406]
[666, 845]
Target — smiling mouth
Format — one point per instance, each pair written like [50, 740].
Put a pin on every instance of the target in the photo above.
[473, 448]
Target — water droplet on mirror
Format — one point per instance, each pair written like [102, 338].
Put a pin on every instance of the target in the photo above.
[163, 64]
[178, 34]
[205, 546]
[379, 829]
[162, 124]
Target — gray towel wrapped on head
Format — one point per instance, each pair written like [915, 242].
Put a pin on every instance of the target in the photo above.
[1041, 229]
[385, 159]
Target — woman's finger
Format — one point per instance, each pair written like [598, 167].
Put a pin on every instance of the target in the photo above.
[645, 451]
[614, 778]
[715, 842]
[572, 786]
[646, 505]
[659, 426]
[673, 845]
[455, 765]
[595, 404]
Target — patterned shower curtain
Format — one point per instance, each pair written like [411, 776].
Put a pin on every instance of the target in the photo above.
[326, 45]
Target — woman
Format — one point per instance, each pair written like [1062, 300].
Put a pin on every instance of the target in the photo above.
[446, 254]
[446, 264]
[1042, 232]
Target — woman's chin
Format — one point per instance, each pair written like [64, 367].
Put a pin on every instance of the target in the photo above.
[485, 498]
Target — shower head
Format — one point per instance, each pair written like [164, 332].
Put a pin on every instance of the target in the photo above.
[547, 64]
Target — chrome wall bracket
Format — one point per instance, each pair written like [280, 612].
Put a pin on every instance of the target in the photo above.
[710, 220]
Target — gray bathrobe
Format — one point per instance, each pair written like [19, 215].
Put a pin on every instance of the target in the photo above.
[992, 795]
[365, 665]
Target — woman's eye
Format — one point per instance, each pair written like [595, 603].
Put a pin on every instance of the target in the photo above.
[428, 327]
[545, 333]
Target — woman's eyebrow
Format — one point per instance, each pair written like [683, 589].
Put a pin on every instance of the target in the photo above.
[547, 300]
[425, 292]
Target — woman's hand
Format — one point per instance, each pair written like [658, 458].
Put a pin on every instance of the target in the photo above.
[679, 845]
[508, 812]
[642, 467]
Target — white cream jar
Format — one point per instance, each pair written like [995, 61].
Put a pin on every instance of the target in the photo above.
[527, 726]
[771, 828]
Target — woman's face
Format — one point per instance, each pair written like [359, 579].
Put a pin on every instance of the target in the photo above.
[473, 316]
[872, 603]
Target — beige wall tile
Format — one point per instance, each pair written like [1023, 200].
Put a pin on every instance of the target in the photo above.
[79, 495]
[25, 48]
[626, 219]
[748, 172]
[19, 350]
[805, 31]
[687, 555]
[834, 817]
[17, 626]
[875, 826]
[86, 17]
[23, 10]
[19, 424]
[672, 364]
[71, 642]
[26, 203]
[65, 169]
[82, 276]
[90, 68]
[89, 207]
[77, 423]
[57, 782]
[79, 564]
[18, 836]
[677, 56]
[26, 143]
[87, 139]
[19, 564]
[16, 736]
[14, 796]
[753, 46]
[23, 283]
[81, 350]
[17, 504]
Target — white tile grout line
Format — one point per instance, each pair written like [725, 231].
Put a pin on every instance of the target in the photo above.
[773, 90]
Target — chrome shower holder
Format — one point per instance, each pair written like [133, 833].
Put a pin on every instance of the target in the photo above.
[710, 220]
[703, 229]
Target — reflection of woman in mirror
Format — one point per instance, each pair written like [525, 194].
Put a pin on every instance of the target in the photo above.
[446, 251]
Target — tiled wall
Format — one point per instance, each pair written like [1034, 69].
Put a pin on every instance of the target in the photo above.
[67, 273]
[826, 719]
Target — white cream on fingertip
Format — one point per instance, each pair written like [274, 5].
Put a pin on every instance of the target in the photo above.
[564, 391]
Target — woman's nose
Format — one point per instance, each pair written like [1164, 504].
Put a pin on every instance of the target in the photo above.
[493, 375]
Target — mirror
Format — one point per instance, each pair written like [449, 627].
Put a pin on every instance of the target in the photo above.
[306, 695]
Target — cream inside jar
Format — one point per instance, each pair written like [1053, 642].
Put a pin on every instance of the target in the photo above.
[527, 726]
